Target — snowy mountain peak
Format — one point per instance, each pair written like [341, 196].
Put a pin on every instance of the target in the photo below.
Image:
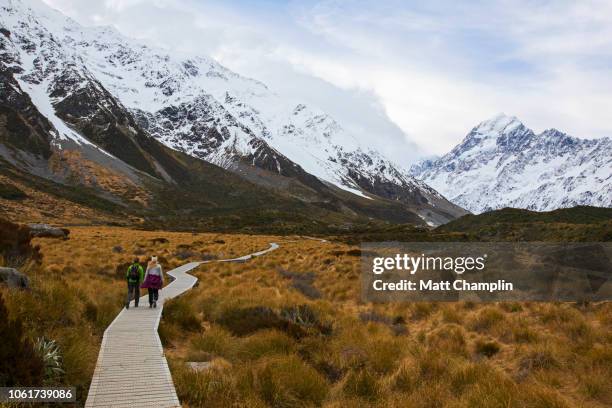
[502, 163]
[497, 125]
[194, 105]
[553, 133]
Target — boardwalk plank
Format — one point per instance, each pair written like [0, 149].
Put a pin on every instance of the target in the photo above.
[132, 370]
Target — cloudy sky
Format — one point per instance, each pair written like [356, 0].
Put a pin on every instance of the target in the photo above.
[399, 72]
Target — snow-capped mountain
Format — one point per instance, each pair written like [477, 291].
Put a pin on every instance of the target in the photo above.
[502, 163]
[100, 89]
[194, 105]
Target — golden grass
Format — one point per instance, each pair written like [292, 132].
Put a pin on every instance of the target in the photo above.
[332, 351]
[421, 354]
[40, 206]
[80, 286]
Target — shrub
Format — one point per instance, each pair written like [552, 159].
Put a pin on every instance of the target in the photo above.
[11, 192]
[469, 374]
[432, 366]
[372, 316]
[49, 352]
[212, 388]
[449, 338]
[294, 320]
[523, 333]
[216, 341]
[451, 315]
[20, 364]
[488, 388]
[302, 315]
[167, 333]
[265, 343]
[422, 309]
[487, 348]
[361, 383]
[423, 369]
[384, 355]
[536, 396]
[91, 311]
[486, 319]
[306, 289]
[539, 358]
[511, 307]
[16, 244]
[288, 381]
[558, 314]
[404, 379]
[596, 385]
[244, 321]
[79, 352]
[159, 240]
[181, 312]
[302, 282]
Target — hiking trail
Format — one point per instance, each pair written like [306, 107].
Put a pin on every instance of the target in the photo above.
[132, 370]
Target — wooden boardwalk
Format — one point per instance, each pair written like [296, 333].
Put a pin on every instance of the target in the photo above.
[132, 370]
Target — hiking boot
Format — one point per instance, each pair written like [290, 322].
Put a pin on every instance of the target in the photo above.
[127, 305]
[155, 304]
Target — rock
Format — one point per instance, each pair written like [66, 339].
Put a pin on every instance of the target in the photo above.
[118, 249]
[13, 278]
[48, 231]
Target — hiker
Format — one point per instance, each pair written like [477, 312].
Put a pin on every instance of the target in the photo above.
[134, 278]
[153, 281]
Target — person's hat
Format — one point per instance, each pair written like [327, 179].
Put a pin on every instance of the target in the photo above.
[153, 259]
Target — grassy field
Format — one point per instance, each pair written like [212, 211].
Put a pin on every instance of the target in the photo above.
[289, 329]
[79, 287]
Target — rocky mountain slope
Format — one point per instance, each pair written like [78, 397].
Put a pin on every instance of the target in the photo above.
[81, 100]
[502, 163]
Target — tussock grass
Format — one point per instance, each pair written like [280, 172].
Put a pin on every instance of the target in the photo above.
[272, 344]
[457, 355]
[450, 338]
[78, 286]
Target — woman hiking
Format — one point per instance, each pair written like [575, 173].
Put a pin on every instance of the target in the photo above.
[153, 281]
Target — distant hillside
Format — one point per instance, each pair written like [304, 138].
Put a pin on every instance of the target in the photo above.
[577, 224]
[580, 223]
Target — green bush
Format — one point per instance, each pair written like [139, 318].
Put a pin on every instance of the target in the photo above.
[49, 352]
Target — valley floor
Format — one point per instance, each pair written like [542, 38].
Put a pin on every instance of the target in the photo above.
[289, 329]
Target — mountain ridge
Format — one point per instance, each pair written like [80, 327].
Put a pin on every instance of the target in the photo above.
[83, 102]
[502, 163]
